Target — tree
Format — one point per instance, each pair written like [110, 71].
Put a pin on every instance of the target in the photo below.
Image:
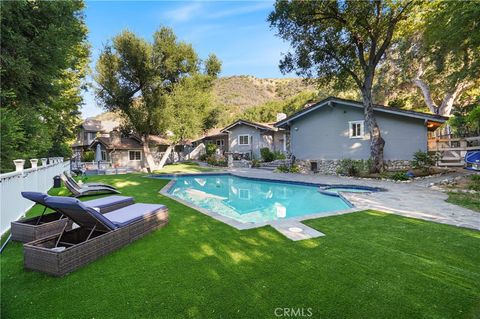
[147, 82]
[44, 57]
[340, 40]
[441, 52]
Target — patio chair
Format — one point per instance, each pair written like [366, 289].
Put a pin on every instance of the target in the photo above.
[93, 184]
[96, 236]
[78, 191]
[47, 224]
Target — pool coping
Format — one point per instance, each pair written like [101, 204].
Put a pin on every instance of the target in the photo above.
[279, 225]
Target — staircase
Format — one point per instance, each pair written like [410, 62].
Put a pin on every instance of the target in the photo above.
[452, 150]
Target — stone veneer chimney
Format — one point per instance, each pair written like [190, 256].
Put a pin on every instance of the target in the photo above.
[115, 136]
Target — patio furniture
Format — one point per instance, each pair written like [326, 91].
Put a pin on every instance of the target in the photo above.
[472, 159]
[96, 236]
[47, 224]
[85, 191]
[74, 182]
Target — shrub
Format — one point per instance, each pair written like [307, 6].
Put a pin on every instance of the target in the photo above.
[350, 167]
[267, 155]
[423, 161]
[88, 156]
[279, 155]
[255, 163]
[286, 169]
[399, 176]
[210, 149]
[203, 157]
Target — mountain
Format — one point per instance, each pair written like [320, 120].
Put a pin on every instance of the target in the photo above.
[236, 95]
[243, 92]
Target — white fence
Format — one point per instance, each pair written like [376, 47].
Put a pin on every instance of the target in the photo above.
[39, 179]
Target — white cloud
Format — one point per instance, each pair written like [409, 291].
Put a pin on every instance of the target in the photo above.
[240, 10]
[186, 12]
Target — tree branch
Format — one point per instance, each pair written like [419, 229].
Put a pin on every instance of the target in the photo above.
[426, 95]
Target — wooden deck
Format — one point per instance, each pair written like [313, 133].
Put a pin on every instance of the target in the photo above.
[452, 150]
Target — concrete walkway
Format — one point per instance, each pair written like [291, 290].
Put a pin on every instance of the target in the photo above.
[413, 199]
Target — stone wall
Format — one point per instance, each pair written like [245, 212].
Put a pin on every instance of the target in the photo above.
[330, 166]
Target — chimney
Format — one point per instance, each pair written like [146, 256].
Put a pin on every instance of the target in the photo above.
[281, 116]
[115, 136]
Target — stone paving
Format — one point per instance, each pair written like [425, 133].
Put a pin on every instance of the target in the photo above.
[412, 199]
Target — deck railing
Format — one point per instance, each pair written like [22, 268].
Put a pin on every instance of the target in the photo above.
[38, 179]
[452, 151]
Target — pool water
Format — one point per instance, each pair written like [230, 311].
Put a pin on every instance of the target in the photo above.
[254, 201]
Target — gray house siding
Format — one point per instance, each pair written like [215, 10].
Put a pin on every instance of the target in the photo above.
[324, 135]
[257, 138]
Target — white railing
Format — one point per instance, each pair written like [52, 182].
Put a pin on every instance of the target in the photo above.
[37, 179]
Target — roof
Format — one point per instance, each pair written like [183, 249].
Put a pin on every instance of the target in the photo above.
[262, 126]
[129, 143]
[92, 125]
[213, 132]
[376, 107]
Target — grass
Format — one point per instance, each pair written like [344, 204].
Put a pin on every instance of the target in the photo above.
[185, 167]
[369, 265]
[470, 201]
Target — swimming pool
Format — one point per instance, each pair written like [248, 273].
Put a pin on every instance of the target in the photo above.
[250, 200]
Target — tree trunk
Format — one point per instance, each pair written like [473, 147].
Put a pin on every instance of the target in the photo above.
[148, 155]
[165, 156]
[377, 143]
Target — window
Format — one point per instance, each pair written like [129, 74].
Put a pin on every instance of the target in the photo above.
[135, 155]
[104, 155]
[356, 129]
[243, 140]
[220, 142]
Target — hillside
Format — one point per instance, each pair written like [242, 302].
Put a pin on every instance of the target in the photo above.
[237, 94]
[243, 92]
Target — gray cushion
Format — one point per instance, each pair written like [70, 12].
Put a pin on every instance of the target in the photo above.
[107, 201]
[126, 215]
[82, 215]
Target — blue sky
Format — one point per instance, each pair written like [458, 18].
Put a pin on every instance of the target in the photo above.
[236, 31]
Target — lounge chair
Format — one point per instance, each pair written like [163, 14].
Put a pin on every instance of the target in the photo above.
[51, 223]
[96, 236]
[93, 184]
[85, 191]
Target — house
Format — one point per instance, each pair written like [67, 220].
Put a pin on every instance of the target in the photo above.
[213, 136]
[127, 152]
[245, 137]
[333, 129]
[88, 131]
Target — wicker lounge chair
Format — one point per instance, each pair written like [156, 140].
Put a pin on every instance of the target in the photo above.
[93, 184]
[85, 191]
[52, 223]
[96, 236]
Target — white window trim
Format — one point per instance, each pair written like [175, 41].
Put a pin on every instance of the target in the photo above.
[362, 129]
[248, 139]
[141, 156]
[221, 142]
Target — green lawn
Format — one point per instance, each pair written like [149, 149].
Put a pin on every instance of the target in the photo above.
[471, 201]
[185, 167]
[369, 265]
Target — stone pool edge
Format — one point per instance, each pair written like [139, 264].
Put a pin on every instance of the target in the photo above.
[282, 226]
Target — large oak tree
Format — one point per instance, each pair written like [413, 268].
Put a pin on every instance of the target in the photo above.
[340, 40]
[155, 85]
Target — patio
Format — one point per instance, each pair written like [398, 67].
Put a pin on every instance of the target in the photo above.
[368, 264]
